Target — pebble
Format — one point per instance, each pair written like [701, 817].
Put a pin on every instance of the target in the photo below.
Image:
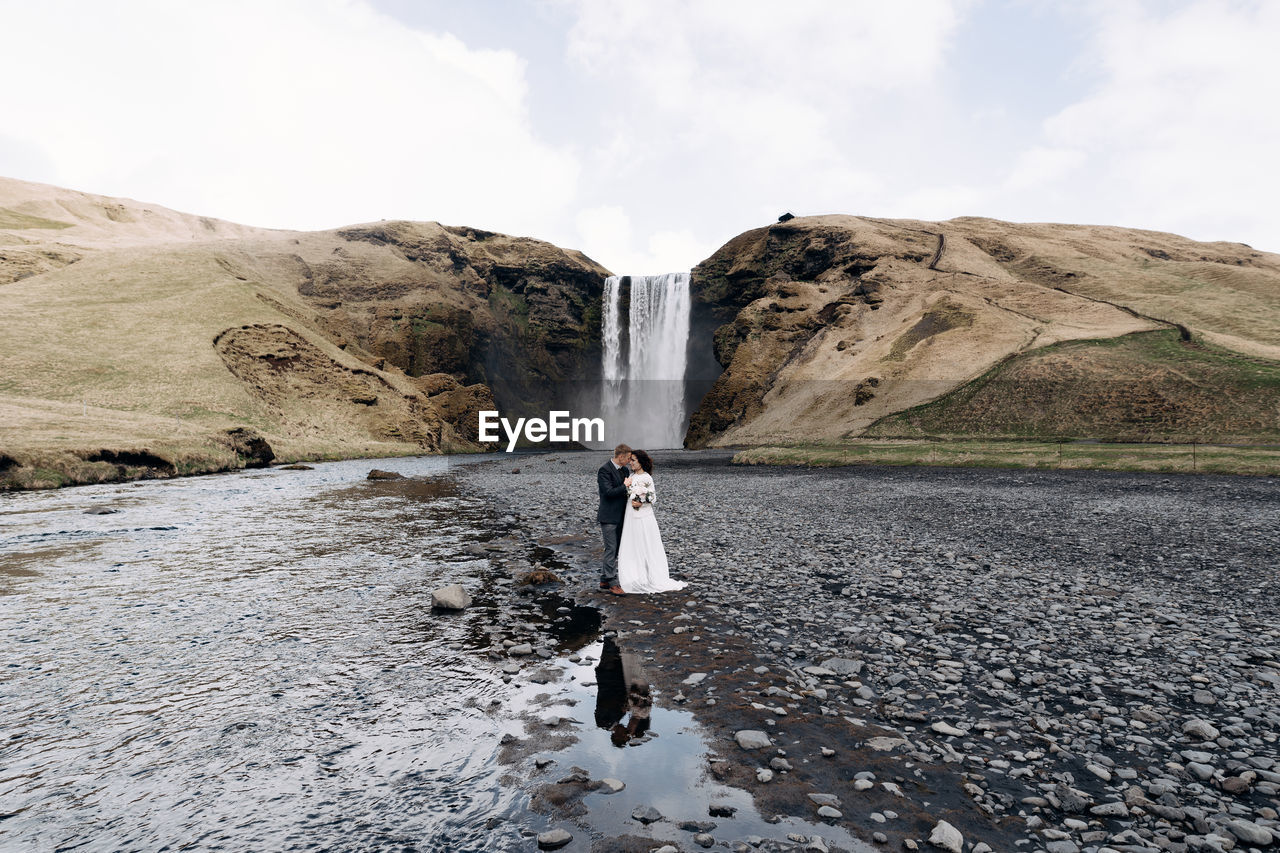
[1049, 621]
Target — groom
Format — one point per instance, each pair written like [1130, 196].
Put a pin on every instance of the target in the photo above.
[613, 478]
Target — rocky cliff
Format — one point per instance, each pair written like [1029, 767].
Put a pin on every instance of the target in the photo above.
[130, 333]
[827, 325]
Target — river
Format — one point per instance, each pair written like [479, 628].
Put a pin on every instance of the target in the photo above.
[250, 661]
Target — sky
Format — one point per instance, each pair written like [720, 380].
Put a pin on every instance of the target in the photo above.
[647, 134]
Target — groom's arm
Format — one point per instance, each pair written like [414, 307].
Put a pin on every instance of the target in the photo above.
[606, 486]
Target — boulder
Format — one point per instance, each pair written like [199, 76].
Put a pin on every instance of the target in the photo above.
[947, 837]
[553, 839]
[752, 739]
[377, 474]
[451, 597]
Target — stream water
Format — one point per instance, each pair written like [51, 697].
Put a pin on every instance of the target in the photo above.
[250, 661]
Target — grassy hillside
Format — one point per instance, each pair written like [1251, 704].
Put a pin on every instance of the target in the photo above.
[1148, 386]
[140, 341]
[829, 327]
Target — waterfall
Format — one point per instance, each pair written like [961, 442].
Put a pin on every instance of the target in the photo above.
[644, 404]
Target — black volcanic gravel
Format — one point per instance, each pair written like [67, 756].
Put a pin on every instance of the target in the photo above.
[1045, 660]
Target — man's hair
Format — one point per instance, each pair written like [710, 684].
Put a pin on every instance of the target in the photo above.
[621, 449]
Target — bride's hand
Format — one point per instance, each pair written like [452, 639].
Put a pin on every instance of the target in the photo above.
[627, 482]
[636, 504]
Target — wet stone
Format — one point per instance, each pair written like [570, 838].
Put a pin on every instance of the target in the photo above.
[553, 839]
[647, 814]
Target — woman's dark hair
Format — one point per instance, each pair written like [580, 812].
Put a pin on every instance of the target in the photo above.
[645, 461]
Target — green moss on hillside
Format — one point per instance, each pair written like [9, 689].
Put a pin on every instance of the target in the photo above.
[1148, 386]
[13, 219]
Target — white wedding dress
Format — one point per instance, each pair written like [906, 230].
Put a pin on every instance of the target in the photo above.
[642, 561]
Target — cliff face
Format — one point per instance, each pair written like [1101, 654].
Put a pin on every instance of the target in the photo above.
[130, 329]
[518, 315]
[825, 325]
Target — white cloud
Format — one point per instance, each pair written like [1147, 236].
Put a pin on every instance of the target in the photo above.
[1181, 133]
[607, 232]
[291, 113]
[717, 118]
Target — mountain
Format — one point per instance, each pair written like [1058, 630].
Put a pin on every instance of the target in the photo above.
[140, 341]
[834, 327]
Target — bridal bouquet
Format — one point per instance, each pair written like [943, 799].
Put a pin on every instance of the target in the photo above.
[644, 493]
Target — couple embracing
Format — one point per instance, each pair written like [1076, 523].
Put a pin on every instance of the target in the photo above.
[634, 559]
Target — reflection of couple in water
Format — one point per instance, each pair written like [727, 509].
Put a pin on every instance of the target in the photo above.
[622, 689]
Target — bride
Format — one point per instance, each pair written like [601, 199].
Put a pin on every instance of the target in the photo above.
[642, 561]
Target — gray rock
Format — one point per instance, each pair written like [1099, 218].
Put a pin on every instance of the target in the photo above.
[522, 649]
[1203, 772]
[829, 813]
[1202, 729]
[451, 597]
[1101, 772]
[752, 739]
[553, 839]
[1250, 833]
[884, 744]
[1110, 810]
[843, 666]
[947, 837]
[611, 786]
[647, 814]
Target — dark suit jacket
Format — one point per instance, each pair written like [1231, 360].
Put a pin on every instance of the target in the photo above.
[613, 494]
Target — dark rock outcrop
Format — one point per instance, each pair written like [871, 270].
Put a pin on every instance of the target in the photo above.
[519, 315]
[252, 448]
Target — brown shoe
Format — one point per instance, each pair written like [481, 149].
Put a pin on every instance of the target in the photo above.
[605, 585]
[617, 590]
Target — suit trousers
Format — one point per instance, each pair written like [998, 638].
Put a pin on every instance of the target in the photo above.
[612, 533]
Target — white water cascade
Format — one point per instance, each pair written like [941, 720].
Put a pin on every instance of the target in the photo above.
[643, 398]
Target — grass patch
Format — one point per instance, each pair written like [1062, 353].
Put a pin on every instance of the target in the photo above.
[1148, 386]
[10, 218]
[943, 317]
[1077, 455]
[507, 304]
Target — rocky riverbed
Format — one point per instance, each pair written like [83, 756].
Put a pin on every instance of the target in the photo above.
[956, 659]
